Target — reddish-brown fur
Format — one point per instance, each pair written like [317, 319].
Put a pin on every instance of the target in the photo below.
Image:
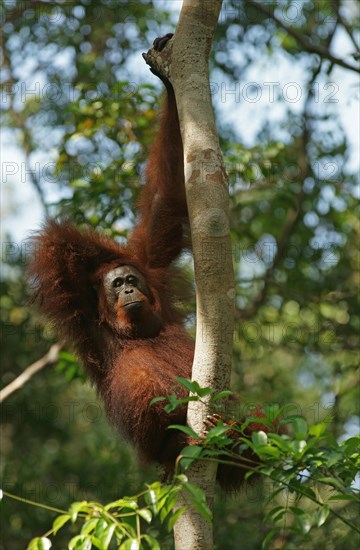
[68, 270]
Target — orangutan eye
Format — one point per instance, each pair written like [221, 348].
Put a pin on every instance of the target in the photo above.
[131, 279]
[117, 282]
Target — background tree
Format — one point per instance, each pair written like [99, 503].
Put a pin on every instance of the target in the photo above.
[283, 81]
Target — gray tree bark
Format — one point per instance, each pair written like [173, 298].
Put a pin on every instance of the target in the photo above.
[185, 62]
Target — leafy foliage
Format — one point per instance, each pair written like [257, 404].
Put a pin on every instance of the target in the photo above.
[130, 522]
[309, 463]
[73, 104]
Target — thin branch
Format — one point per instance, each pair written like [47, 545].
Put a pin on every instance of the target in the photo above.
[49, 358]
[348, 29]
[307, 44]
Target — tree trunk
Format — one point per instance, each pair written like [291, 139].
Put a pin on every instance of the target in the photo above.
[185, 62]
[208, 203]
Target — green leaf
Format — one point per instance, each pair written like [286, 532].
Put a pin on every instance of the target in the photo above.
[89, 526]
[185, 429]
[181, 478]
[174, 517]
[95, 541]
[59, 522]
[267, 451]
[300, 427]
[341, 496]
[221, 395]
[194, 387]
[203, 509]
[288, 42]
[305, 523]
[108, 534]
[152, 542]
[169, 501]
[317, 430]
[100, 527]
[299, 446]
[157, 400]
[216, 431]
[103, 534]
[352, 445]
[156, 496]
[123, 503]
[273, 494]
[331, 481]
[189, 385]
[202, 392]
[39, 543]
[189, 454]
[175, 402]
[334, 458]
[268, 539]
[145, 514]
[130, 544]
[281, 441]
[198, 500]
[164, 506]
[259, 438]
[194, 490]
[307, 491]
[275, 513]
[322, 515]
[80, 542]
[297, 511]
[77, 507]
[67, 356]
[79, 184]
